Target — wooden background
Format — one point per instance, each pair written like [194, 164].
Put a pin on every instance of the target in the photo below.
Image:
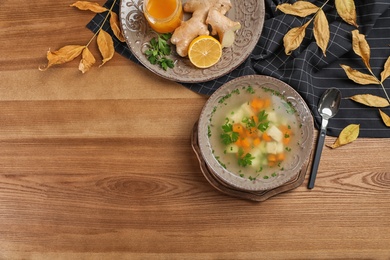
[100, 166]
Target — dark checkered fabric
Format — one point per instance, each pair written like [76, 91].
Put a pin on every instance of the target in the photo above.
[307, 70]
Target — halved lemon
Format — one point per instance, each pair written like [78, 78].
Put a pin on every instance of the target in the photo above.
[204, 51]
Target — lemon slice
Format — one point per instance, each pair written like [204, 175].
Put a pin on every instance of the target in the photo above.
[204, 51]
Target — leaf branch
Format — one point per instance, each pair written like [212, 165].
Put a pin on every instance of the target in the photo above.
[104, 40]
[294, 37]
[101, 26]
[361, 48]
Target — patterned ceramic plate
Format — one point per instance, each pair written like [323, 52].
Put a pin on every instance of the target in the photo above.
[250, 13]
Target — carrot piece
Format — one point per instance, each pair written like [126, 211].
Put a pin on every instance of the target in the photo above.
[267, 103]
[238, 128]
[253, 104]
[271, 160]
[271, 163]
[251, 132]
[257, 104]
[271, 157]
[256, 141]
[286, 140]
[255, 119]
[285, 129]
[287, 132]
[266, 137]
[245, 143]
[280, 156]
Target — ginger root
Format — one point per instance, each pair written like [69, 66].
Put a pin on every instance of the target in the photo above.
[205, 13]
[189, 30]
[222, 26]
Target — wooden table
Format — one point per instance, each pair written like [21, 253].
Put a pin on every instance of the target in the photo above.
[100, 166]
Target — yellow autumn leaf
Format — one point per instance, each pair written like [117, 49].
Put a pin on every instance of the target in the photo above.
[63, 55]
[386, 71]
[385, 118]
[347, 11]
[106, 46]
[349, 134]
[321, 31]
[361, 48]
[299, 8]
[86, 5]
[359, 77]
[294, 38]
[370, 100]
[87, 60]
[114, 23]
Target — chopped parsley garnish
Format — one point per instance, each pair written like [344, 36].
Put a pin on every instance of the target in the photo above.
[158, 51]
[250, 90]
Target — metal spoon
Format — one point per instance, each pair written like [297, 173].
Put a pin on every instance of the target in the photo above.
[327, 107]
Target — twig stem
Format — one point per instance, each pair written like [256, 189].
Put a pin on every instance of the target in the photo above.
[101, 26]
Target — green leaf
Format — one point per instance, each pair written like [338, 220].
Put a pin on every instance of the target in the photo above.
[152, 60]
[227, 127]
[235, 136]
[263, 122]
[263, 126]
[249, 122]
[226, 139]
[158, 50]
[166, 36]
[262, 115]
[245, 160]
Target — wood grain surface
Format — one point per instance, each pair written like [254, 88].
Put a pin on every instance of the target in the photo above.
[100, 166]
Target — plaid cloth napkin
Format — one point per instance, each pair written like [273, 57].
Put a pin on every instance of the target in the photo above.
[307, 70]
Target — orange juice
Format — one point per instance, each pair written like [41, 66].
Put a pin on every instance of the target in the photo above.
[163, 15]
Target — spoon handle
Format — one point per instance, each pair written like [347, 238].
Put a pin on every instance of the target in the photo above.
[317, 156]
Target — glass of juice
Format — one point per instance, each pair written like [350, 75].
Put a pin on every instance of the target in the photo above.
[163, 16]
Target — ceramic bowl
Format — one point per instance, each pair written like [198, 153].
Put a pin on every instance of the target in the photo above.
[261, 171]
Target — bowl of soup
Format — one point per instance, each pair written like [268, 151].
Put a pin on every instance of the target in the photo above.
[255, 133]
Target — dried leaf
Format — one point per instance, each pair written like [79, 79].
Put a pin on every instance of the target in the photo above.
[299, 8]
[361, 47]
[294, 38]
[386, 71]
[347, 11]
[385, 118]
[86, 5]
[359, 77]
[87, 60]
[349, 134]
[106, 46]
[114, 23]
[63, 55]
[371, 100]
[321, 31]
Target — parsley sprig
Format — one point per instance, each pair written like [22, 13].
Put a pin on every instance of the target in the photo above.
[263, 121]
[159, 48]
[244, 159]
[228, 136]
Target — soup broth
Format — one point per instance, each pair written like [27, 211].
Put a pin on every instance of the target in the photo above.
[254, 132]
